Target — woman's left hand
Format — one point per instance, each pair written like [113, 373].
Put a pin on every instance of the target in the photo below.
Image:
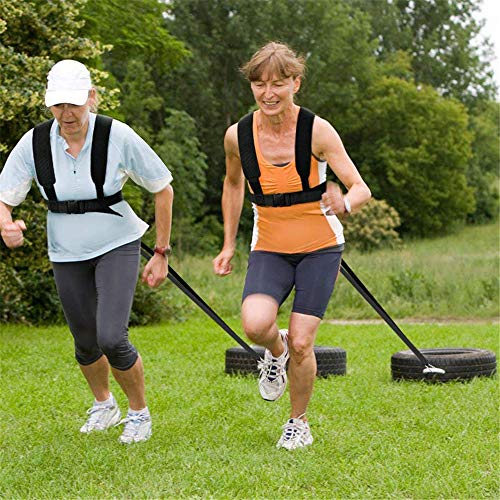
[333, 199]
[155, 271]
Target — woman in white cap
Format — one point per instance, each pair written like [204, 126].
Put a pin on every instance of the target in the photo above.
[80, 162]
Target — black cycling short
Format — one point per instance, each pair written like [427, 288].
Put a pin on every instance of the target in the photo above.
[312, 274]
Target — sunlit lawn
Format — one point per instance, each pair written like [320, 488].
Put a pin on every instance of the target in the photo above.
[215, 438]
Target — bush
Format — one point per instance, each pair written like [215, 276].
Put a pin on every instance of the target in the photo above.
[414, 151]
[27, 289]
[373, 227]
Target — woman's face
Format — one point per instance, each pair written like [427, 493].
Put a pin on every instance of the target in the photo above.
[273, 94]
[73, 120]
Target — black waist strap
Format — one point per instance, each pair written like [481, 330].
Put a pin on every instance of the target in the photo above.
[83, 206]
[288, 199]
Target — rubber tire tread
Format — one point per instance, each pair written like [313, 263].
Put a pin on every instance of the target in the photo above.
[330, 361]
[459, 363]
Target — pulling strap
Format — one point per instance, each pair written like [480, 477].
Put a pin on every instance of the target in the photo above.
[99, 152]
[42, 155]
[303, 150]
[148, 252]
[365, 293]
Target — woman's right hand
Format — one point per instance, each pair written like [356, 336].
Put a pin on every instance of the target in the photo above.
[222, 263]
[12, 233]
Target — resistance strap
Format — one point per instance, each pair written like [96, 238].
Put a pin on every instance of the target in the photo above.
[148, 252]
[360, 287]
[348, 273]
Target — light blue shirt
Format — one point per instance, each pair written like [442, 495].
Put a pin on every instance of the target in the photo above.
[75, 237]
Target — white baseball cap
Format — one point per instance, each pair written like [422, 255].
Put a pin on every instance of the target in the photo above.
[68, 82]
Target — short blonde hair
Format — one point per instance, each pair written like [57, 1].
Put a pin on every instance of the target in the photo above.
[274, 58]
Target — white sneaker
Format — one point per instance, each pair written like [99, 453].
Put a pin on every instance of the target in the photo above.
[101, 417]
[296, 434]
[137, 428]
[272, 377]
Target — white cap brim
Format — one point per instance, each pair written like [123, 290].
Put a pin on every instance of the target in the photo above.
[77, 97]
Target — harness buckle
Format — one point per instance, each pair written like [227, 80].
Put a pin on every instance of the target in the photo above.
[74, 207]
[282, 200]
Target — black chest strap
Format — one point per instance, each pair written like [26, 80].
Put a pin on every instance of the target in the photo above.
[303, 153]
[248, 155]
[44, 167]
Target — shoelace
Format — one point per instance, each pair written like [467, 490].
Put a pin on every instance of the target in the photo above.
[134, 420]
[294, 430]
[95, 410]
[270, 368]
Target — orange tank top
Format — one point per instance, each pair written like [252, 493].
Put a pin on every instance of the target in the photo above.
[300, 228]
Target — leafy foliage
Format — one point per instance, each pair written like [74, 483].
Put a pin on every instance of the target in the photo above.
[414, 152]
[441, 36]
[27, 289]
[373, 227]
[33, 36]
[483, 172]
[384, 73]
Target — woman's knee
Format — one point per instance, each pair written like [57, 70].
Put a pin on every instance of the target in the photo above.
[258, 315]
[257, 328]
[300, 348]
[87, 355]
[120, 352]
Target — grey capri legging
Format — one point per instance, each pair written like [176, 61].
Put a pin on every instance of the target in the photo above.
[96, 296]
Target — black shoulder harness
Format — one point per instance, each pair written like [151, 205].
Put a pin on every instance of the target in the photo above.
[44, 166]
[303, 153]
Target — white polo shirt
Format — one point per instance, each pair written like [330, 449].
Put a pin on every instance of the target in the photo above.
[75, 237]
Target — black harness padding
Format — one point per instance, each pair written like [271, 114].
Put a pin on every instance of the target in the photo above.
[44, 167]
[99, 152]
[43, 158]
[248, 155]
[303, 153]
[303, 150]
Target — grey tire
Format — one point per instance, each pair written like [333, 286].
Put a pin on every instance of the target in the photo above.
[459, 364]
[330, 360]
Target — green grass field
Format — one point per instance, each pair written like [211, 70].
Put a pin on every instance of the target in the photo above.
[215, 438]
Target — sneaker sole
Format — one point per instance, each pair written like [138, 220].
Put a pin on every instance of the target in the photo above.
[307, 443]
[145, 438]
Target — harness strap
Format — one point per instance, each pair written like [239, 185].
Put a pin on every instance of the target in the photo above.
[43, 158]
[44, 167]
[248, 155]
[99, 152]
[288, 199]
[303, 153]
[303, 150]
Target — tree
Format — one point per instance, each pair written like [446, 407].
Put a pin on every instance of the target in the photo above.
[442, 37]
[33, 36]
[177, 144]
[414, 151]
[482, 173]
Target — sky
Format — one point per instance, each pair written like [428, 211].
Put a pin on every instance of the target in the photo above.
[490, 11]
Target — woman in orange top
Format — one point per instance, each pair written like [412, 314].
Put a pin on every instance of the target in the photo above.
[297, 243]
